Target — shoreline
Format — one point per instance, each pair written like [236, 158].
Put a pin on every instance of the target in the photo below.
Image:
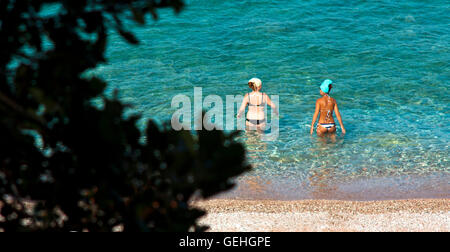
[329, 187]
[411, 215]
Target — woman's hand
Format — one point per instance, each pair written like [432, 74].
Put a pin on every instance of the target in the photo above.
[312, 130]
[343, 131]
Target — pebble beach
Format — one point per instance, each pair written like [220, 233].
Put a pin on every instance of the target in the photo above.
[414, 215]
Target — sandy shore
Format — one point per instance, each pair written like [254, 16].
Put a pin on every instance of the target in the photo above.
[324, 215]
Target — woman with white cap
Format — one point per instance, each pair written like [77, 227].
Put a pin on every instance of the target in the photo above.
[256, 101]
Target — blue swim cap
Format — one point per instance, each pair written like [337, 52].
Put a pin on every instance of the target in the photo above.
[325, 86]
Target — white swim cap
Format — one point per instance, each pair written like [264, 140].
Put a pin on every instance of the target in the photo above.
[257, 82]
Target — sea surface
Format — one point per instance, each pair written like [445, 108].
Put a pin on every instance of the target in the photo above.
[390, 61]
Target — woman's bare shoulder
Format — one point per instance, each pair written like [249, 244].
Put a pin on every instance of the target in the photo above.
[320, 100]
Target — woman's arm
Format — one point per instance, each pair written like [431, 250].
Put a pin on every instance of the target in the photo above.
[271, 104]
[316, 114]
[338, 115]
[243, 106]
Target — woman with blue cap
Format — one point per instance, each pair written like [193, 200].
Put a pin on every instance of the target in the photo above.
[325, 106]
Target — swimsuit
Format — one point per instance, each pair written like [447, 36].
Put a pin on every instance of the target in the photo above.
[256, 105]
[328, 125]
[256, 122]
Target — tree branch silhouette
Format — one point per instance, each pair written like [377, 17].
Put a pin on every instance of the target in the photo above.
[66, 165]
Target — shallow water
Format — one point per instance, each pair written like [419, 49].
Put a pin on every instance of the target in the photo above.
[390, 61]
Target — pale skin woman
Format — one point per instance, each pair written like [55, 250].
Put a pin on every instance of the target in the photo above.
[256, 101]
[325, 107]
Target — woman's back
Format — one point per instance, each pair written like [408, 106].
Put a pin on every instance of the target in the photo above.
[256, 104]
[326, 104]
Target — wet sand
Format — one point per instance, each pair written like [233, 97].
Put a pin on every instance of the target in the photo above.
[326, 185]
[415, 215]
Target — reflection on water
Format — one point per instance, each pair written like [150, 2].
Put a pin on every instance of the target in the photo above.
[325, 180]
[322, 185]
[255, 185]
[252, 140]
[319, 182]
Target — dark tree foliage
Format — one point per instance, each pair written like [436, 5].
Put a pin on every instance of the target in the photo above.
[91, 171]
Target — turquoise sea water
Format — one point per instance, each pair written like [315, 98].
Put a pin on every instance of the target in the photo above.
[390, 61]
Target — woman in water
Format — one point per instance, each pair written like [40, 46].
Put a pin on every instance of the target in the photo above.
[325, 106]
[256, 102]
